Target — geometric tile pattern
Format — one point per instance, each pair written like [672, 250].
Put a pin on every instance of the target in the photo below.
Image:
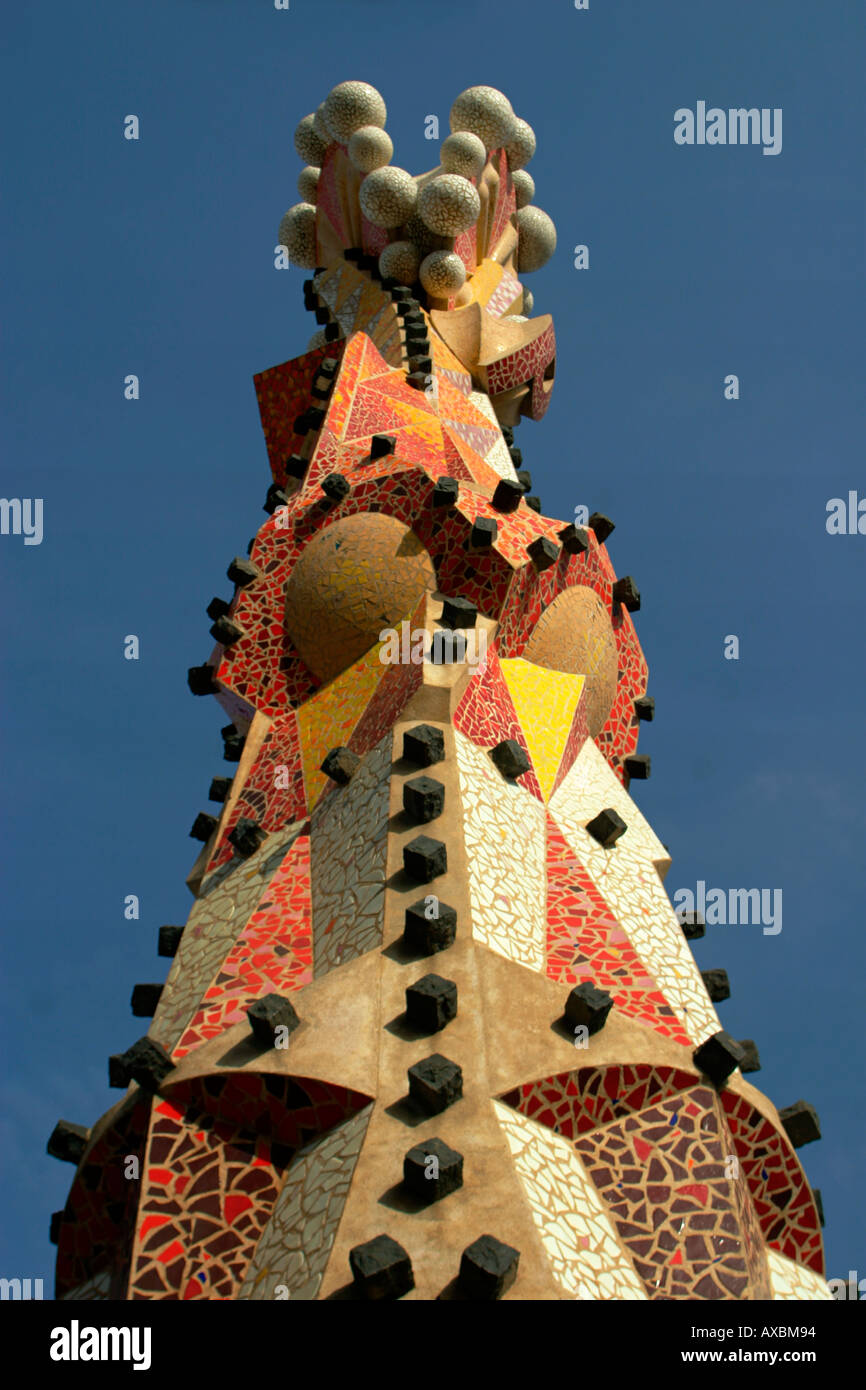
[588, 1259]
[349, 847]
[294, 1246]
[627, 877]
[504, 829]
[216, 1161]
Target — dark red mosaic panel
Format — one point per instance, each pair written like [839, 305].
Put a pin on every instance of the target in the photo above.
[574, 1102]
[780, 1193]
[662, 1174]
[272, 955]
[217, 1156]
[99, 1217]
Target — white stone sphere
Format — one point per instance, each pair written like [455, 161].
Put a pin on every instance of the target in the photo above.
[524, 187]
[487, 113]
[320, 127]
[308, 143]
[463, 153]
[521, 147]
[400, 262]
[442, 274]
[370, 148]
[528, 302]
[351, 105]
[298, 234]
[449, 204]
[536, 239]
[308, 183]
[388, 196]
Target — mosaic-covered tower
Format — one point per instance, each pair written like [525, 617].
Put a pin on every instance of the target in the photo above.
[432, 1028]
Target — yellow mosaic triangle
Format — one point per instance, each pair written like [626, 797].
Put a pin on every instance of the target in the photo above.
[545, 703]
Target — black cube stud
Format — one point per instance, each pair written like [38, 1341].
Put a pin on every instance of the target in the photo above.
[217, 608]
[424, 745]
[429, 927]
[168, 940]
[483, 534]
[458, 613]
[718, 1057]
[435, 1083]
[200, 680]
[645, 707]
[801, 1123]
[381, 445]
[67, 1142]
[296, 466]
[145, 999]
[247, 837]
[270, 1013]
[432, 1170]
[147, 1063]
[508, 495]
[607, 827]
[574, 539]
[220, 788]
[488, 1268]
[510, 759]
[524, 477]
[423, 798]
[203, 827]
[243, 572]
[233, 745]
[717, 984]
[638, 766]
[543, 553]
[446, 492]
[751, 1058]
[532, 502]
[693, 925]
[625, 591]
[226, 631]
[602, 526]
[425, 859]
[336, 487]
[340, 764]
[381, 1269]
[431, 1003]
[588, 1007]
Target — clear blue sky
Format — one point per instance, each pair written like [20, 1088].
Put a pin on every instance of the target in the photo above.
[156, 258]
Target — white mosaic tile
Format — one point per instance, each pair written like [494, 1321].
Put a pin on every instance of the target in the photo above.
[504, 833]
[794, 1283]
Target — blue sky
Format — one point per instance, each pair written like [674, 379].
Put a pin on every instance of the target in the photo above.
[156, 257]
